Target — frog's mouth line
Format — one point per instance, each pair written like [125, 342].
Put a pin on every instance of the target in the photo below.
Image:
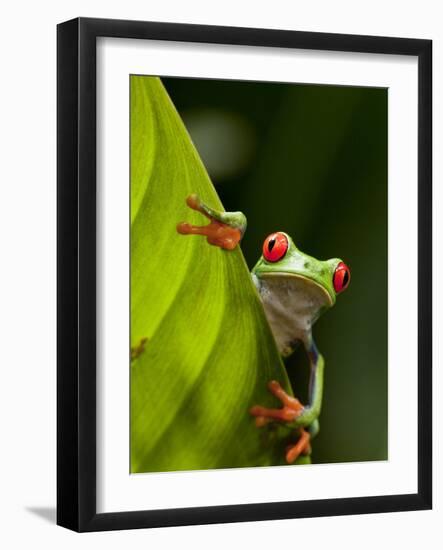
[329, 300]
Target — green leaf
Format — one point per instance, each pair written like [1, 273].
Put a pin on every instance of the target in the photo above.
[209, 352]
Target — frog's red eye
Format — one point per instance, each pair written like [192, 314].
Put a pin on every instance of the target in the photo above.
[342, 277]
[275, 247]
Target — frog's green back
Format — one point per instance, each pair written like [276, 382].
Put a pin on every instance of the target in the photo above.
[209, 353]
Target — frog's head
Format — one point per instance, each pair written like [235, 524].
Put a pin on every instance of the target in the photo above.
[322, 280]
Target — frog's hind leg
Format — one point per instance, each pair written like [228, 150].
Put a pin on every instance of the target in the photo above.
[303, 446]
[288, 413]
[314, 428]
[225, 229]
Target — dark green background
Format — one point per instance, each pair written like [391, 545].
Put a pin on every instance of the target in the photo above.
[312, 161]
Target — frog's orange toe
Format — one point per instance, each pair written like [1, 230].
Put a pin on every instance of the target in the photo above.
[286, 399]
[184, 228]
[302, 446]
[292, 408]
[285, 414]
[217, 233]
[193, 202]
[222, 235]
[261, 421]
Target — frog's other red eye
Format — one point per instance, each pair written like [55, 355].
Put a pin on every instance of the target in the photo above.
[342, 277]
[275, 247]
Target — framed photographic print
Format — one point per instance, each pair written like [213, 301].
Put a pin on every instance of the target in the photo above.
[244, 274]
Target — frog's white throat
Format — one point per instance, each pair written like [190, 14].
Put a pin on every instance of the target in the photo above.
[292, 304]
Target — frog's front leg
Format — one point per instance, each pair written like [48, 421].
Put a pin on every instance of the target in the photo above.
[293, 413]
[288, 413]
[225, 229]
[311, 412]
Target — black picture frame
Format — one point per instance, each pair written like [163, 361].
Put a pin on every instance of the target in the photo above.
[76, 265]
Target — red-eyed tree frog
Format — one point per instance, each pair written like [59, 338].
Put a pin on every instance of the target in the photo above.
[295, 289]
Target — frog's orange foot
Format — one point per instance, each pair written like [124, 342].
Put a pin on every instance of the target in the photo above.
[217, 232]
[303, 446]
[292, 408]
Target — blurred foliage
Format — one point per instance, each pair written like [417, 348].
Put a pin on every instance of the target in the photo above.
[315, 166]
[209, 351]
